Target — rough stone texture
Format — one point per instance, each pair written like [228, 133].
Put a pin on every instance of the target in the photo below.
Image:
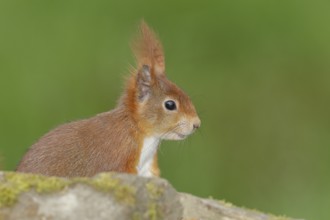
[108, 196]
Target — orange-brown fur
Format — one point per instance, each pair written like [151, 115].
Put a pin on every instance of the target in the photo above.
[155, 169]
[112, 141]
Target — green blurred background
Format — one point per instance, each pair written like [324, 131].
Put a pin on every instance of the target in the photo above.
[257, 71]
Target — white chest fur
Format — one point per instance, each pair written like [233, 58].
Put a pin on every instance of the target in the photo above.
[148, 151]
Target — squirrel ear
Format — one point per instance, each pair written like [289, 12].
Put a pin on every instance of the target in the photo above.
[143, 82]
[149, 51]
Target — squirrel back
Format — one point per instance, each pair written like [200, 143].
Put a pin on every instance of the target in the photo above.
[125, 139]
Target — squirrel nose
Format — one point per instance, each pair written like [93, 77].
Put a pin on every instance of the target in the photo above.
[196, 123]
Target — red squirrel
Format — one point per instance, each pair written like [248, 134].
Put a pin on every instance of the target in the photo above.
[125, 139]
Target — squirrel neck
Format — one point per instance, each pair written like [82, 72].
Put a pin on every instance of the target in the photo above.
[148, 143]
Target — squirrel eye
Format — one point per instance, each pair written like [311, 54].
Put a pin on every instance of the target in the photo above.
[170, 105]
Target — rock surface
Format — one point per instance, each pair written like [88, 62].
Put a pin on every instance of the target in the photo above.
[108, 196]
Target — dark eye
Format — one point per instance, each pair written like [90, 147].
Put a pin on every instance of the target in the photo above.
[170, 105]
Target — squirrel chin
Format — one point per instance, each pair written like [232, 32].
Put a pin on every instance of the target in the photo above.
[175, 136]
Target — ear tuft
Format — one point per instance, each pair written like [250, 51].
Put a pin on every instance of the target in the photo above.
[149, 51]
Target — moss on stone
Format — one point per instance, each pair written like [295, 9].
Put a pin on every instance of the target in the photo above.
[7, 195]
[126, 194]
[152, 211]
[13, 184]
[135, 216]
[223, 202]
[154, 191]
[272, 217]
[103, 182]
[106, 183]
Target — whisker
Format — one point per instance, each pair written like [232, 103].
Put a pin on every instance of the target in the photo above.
[163, 135]
[200, 132]
[171, 130]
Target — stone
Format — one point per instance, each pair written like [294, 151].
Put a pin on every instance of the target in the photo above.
[108, 196]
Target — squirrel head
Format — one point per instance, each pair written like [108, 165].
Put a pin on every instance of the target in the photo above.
[159, 107]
